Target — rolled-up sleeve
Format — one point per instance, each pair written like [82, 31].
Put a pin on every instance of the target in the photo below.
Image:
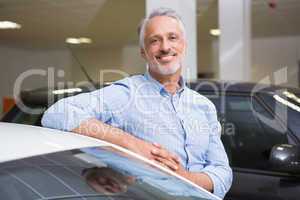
[218, 168]
[68, 113]
[217, 164]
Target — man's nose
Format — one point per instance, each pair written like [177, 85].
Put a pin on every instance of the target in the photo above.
[165, 46]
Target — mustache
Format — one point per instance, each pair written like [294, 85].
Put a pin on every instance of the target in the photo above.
[166, 53]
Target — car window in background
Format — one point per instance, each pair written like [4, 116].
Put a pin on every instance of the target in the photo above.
[245, 135]
[253, 138]
[16, 115]
[285, 106]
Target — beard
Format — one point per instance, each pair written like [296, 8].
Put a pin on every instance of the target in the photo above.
[168, 69]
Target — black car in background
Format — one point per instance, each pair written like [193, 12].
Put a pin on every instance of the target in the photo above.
[260, 132]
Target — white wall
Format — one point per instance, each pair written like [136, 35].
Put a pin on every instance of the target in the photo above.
[133, 63]
[269, 55]
[121, 59]
[15, 61]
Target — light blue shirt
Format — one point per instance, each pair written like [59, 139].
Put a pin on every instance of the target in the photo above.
[184, 123]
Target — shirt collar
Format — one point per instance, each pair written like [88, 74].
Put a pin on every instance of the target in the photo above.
[160, 87]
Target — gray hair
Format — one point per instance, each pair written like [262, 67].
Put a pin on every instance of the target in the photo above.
[158, 12]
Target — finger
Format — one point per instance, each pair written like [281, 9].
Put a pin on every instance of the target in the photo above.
[160, 163]
[161, 153]
[173, 166]
[157, 145]
[175, 158]
[165, 154]
[168, 164]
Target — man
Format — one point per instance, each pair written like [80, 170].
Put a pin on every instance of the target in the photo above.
[155, 114]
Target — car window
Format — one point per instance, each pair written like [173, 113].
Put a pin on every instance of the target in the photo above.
[246, 132]
[287, 108]
[92, 173]
[16, 115]
[253, 139]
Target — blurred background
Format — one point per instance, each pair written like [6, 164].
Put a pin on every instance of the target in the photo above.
[255, 41]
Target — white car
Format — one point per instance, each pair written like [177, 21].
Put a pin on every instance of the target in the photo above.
[41, 163]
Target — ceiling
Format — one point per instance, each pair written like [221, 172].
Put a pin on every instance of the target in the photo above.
[113, 22]
[281, 20]
[50, 22]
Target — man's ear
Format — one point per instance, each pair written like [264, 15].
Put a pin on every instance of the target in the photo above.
[143, 54]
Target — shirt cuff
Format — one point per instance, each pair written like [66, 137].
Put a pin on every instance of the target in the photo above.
[222, 184]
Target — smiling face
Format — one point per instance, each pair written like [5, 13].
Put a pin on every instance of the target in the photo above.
[164, 45]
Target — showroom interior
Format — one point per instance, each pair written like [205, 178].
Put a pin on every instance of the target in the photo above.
[242, 61]
[262, 36]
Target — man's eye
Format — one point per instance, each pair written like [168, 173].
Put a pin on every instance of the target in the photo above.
[173, 37]
[153, 41]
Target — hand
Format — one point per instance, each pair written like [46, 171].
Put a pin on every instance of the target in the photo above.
[150, 151]
[161, 155]
[174, 166]
[166, 158]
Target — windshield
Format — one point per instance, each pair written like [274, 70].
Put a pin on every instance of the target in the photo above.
[16, 115]
[91, 173]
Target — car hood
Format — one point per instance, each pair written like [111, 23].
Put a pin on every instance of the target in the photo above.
[22, 141]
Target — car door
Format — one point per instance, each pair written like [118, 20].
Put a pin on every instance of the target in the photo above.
[248, 140]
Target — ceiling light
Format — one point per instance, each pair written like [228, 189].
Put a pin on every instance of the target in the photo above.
[85, 40]
[9, 25]
[72, 41]
[215, 32]
[82, 40]
[64, 91]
